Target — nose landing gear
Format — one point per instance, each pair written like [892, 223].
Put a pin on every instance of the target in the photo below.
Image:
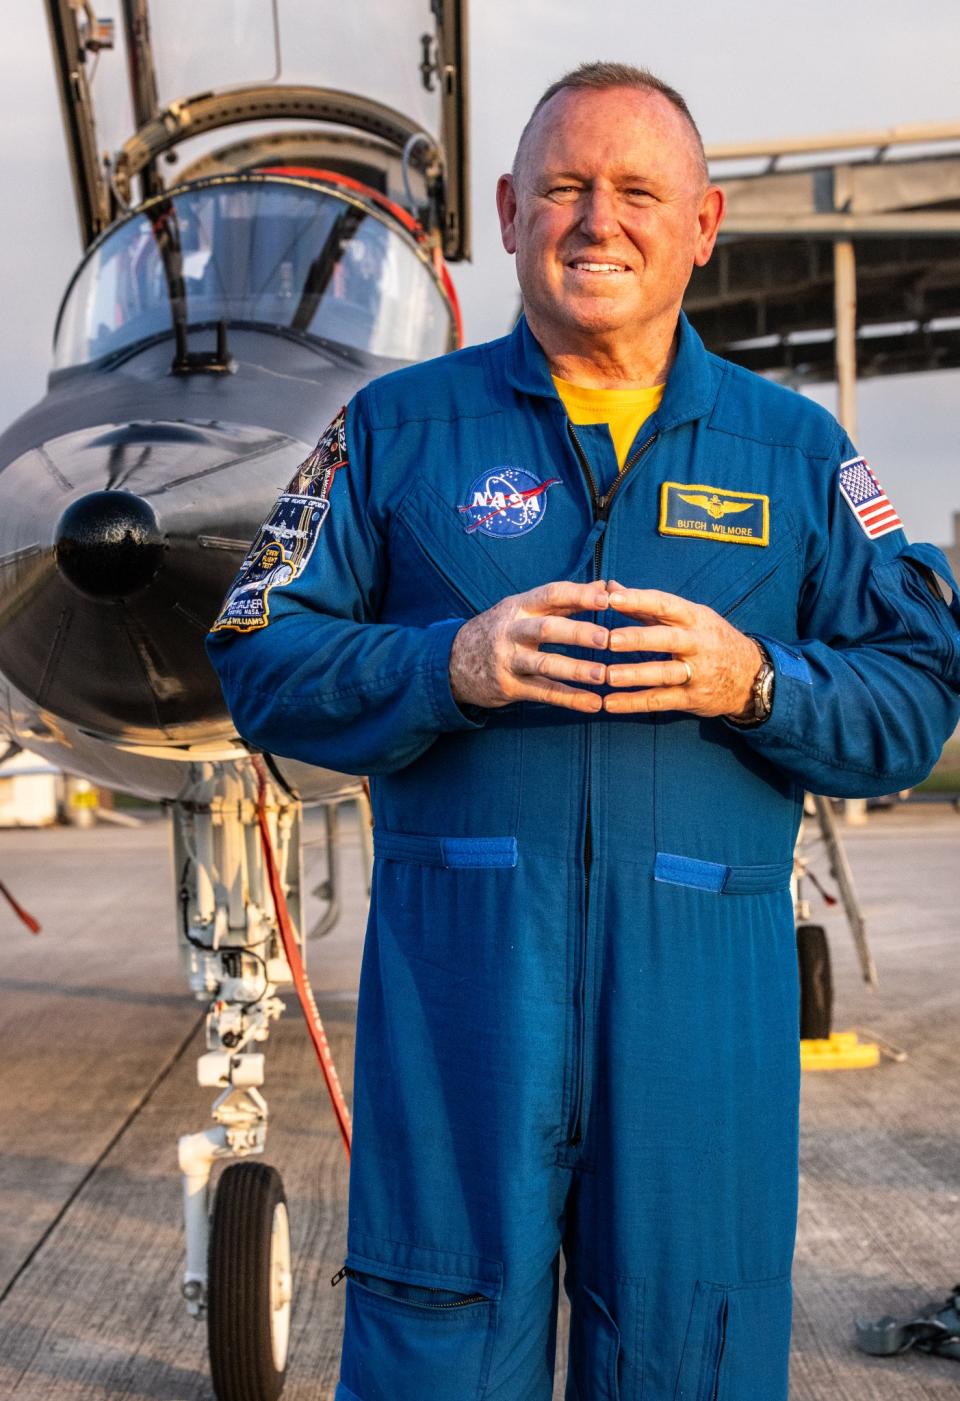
[238, 1268]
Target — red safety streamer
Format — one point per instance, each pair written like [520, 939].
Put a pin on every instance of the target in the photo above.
[300, 980]
[32, 924]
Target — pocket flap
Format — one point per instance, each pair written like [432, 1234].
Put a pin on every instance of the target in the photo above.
[931, 561]
[440, 537]
[431, 1269]
[451, 853]
[731, 574]
[595, 1353]
[720, 879]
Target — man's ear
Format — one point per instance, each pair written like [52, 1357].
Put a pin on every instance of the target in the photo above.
[507, 210]
[710, 216]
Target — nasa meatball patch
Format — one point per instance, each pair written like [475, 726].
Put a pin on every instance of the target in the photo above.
[505, 502]
[286, 540]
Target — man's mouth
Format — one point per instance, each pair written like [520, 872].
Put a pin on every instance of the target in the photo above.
[595, 265]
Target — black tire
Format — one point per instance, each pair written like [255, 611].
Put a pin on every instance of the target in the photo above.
[241, 1337]
[816, 982]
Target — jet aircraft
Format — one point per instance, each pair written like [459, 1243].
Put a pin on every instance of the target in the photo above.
[255, 249]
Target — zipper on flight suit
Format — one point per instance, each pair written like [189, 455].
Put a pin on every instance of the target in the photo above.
[601, 511]
[463, 1302]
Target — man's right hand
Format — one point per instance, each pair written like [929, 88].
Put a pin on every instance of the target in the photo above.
[495, 658]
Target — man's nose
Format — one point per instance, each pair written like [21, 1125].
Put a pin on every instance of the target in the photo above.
[599, 218]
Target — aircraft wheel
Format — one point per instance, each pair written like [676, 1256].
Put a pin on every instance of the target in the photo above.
[249, 1284]
[816, 982]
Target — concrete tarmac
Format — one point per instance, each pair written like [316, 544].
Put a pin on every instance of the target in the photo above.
[97, 1080]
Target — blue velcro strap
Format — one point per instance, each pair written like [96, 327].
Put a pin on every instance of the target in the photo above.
[453, 853]
[684, 870]
[720, 879]
[789, 663]
[479, 851]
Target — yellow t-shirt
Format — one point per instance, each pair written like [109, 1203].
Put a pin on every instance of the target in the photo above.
[623, 410]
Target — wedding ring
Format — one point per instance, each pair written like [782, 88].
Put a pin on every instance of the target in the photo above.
[689, 670]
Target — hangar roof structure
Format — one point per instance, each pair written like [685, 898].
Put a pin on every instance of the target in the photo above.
[839, 256]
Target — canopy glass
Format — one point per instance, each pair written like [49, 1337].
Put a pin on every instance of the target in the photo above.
[256, 251]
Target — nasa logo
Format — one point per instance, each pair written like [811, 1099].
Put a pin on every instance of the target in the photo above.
[506, 502]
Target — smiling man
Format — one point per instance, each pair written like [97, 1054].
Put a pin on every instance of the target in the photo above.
[593, 608]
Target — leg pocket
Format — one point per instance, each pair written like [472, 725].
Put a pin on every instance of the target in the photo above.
[756, 1353]
[594, 1350]
[703, 1345]
[737, 1343]
[407, 1341]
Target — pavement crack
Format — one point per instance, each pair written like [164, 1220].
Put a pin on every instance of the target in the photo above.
[142, 1102]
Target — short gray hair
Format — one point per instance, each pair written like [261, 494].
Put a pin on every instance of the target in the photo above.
[598, 77]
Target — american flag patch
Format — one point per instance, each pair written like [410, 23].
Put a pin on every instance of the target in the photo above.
[867, 499]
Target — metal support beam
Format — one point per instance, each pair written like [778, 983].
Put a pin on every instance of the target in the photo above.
[845, 322]
[69, 56]
[142, 76]
[934, 223]
[877, 138]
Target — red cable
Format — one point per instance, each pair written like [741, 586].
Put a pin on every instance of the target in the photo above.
[32, 924]
[300, 980]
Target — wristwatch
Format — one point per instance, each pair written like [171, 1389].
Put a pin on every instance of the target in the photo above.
[761, 692]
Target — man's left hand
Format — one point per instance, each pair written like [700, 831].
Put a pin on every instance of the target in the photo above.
[721, 662]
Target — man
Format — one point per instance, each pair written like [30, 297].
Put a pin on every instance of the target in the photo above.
[591, 673]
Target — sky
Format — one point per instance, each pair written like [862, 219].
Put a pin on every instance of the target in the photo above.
[749, 71]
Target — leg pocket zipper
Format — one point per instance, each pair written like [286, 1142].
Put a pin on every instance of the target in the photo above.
[409, 1293]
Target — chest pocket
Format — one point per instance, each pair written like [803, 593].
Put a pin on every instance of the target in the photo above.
[483, 569]
[428, 522]
[756, 588]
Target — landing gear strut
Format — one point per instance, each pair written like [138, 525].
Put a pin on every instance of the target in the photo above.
[237, 849]
[238, 1262]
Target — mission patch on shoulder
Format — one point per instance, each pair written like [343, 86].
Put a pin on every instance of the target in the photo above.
[714, 513]
[285, 541]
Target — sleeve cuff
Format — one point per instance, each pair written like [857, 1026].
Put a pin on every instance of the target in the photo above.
[450, 715]
[790, 671]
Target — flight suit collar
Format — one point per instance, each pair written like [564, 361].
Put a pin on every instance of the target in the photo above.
[691, 387]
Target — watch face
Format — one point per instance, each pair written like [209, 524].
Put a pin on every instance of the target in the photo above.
[765, 690]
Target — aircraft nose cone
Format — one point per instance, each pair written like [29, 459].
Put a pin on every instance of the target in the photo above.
[109, 544]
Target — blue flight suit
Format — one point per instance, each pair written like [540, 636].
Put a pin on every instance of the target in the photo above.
[578, 1018]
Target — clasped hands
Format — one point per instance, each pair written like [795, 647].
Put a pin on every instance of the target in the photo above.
[496, 657]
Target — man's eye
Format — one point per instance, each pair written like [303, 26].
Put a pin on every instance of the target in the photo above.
[563, 190]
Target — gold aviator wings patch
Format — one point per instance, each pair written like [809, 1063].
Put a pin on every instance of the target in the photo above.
[714, 506]
[714, 513]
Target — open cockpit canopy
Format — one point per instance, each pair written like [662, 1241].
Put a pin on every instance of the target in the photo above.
[375, 92]
[261, 252]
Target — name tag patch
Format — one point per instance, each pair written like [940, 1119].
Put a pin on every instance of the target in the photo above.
[714, 513]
